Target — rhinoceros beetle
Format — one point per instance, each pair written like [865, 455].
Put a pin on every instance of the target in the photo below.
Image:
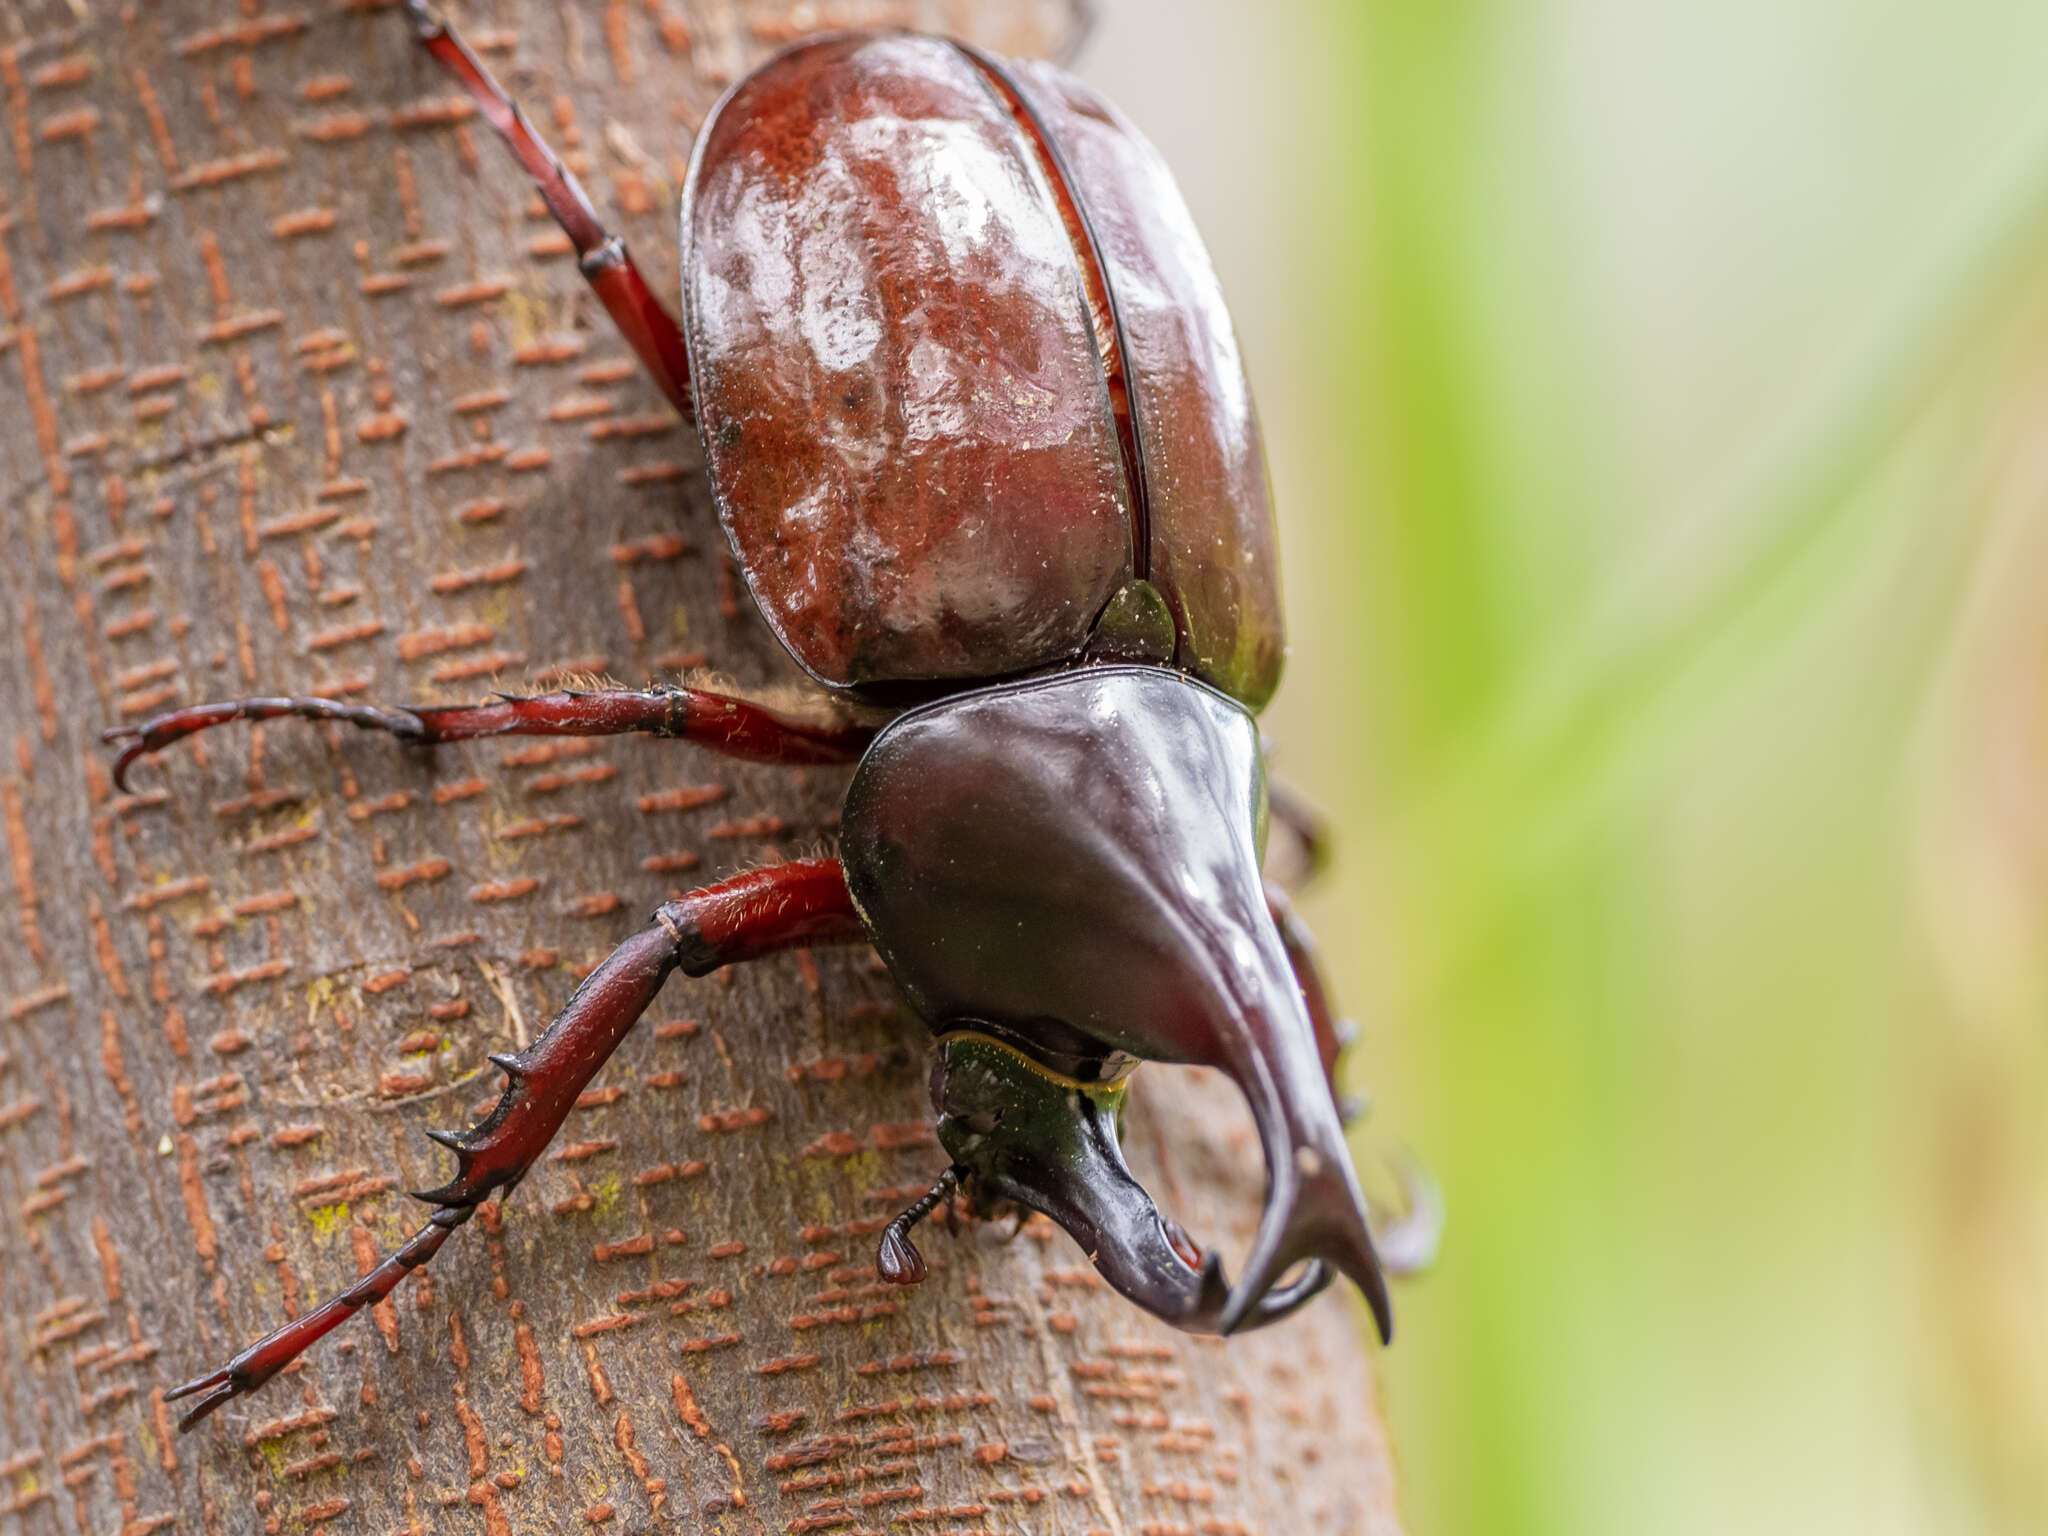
[979, 436]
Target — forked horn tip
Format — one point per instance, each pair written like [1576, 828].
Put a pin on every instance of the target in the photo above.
[1307, 1220]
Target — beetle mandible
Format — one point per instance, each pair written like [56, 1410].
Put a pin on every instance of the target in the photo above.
[979, 435]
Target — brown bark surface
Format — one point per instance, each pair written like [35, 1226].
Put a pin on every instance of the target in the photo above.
[297, 392]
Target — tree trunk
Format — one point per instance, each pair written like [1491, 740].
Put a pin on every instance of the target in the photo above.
[298, 392]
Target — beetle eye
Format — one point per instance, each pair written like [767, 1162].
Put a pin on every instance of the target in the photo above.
[964, 1098]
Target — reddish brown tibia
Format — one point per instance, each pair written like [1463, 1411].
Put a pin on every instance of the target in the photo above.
[609, 268]
[738, 919]
[726, 725]
[750, 915]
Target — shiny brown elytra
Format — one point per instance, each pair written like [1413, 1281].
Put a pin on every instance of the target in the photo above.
[978, 433]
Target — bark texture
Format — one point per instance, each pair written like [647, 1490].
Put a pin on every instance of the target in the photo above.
[298, 392]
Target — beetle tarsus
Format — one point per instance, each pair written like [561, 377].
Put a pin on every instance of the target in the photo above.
[603, 258]
[277, 1349]
[218, 1387]
[160, 731]
[734, 727]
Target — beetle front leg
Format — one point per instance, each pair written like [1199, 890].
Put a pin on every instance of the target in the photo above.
[602, 257]
[750, 915]
[724, 724]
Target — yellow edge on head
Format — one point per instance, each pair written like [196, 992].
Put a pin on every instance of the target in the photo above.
[1101, 1086]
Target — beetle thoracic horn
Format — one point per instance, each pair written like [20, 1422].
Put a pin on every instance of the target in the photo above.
[1073, 863]
[1314, 1206]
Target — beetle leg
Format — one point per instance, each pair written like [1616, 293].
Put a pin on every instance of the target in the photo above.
[1408, 1242]
[1307, 828]
[1332, 1033]
[647, 325]
[275, 1350]
[1083, 16]
[750, 915]
[728, 725]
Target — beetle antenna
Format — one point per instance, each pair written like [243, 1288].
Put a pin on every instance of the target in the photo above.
[896, 1256]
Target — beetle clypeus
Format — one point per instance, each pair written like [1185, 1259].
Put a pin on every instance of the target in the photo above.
[981, 441]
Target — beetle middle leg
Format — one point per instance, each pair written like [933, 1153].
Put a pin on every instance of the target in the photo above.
[734, 727]
[1333, 1034]
[1408, 1242]
[1306, 826]
[747, 916]
[602, 257]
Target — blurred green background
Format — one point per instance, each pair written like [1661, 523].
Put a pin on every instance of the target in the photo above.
[1657, 398]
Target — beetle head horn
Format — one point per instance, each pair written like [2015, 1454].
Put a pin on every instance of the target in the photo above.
[1026, 1133]
[1072, 863]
